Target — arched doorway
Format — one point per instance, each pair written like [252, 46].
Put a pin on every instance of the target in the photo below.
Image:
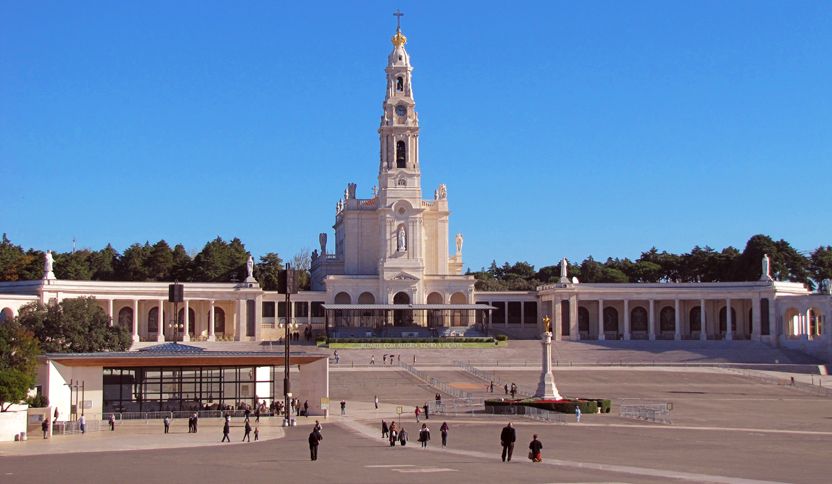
[583, 322]
[667, 320]
[342, 317]
[792, 322]
[219, 322]
[402, 317]
[611, 322]
[153, 321]
[638, 322]
[125, 318]
[365, 318]
[815, 319]
[459, 317]
[723, 320]
[695, 316]
[435, 315]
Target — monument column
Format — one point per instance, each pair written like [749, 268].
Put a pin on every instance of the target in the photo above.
[135, 320]
[160, 321]
[703, 321]
[651, 320]
[601, 335]
[627, 331]
[211, 321]
[546, 387]
[729, 321]
[677, 323]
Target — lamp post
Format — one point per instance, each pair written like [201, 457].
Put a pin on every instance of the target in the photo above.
[287, 284]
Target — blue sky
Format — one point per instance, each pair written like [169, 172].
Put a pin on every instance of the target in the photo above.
[560, 128]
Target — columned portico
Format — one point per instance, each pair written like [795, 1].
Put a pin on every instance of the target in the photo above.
[677, 334]
[729, 332]
[703, 320]
[651, 320]
[211, 321]
[135, 320]
[160, 321]
[627, 330]
[601, 335]
[574, 333]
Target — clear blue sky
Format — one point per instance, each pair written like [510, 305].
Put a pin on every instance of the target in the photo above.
[560, 128]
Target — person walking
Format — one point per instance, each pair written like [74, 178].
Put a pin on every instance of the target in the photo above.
[393, 434]
[306, 408]
[372, 359]
[166, 421]
[190, 424]
[505, 387]
[375, 401]
[45, 426]
[403, 437]
[513, 390]
[343, 407]
[535, 447]
[507, 438]
[427, 412]
[256, 434]
[492, 386]
[318, 427]
[257, 414]
[578, 413]
[384, 358]
[226, 429]
[337, 357]
[315, 439]
[112, 422]
[424, 435]
[443, 430]
[247, 432]
[384, 429]
[418, 412]
[196, 421]
[82, 424]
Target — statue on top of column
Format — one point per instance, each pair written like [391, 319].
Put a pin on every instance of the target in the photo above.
[459, 241]
[322, 241]
[766, 269]
[48, 262]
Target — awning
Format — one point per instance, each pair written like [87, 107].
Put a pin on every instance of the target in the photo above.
[423, 307]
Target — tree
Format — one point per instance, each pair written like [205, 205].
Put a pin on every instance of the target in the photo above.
[74, 266]
[266, 271]
[103, 264]
[73, 326]
[133, 264]
[302, 262]
[820, 264]
[221, 261]
[159, 262]
[182, 264]
[18, 363]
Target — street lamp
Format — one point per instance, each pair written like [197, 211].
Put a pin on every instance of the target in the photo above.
[287, 284]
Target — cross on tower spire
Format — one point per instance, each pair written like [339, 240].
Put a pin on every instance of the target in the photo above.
[398, 16]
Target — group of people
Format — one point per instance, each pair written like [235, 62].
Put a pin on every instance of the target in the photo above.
[510, 390]
[508, 436]
[394, 434]
[226, 429]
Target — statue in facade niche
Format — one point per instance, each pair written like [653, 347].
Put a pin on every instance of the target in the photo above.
[766, 270]
[443, 192]
[401, 240]
[459, 241]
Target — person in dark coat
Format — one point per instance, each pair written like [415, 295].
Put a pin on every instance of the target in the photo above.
[384, 429]
[315, 439]
[45, 426]
[535, 446]
[306, 408]
[196, 421]
[444, 431]
[226, 429]
[403, 437]
[247, 430]
[427, 413]
[507, 438]
[424, 435]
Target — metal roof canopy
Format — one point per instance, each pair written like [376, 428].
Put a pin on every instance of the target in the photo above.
[388, 307]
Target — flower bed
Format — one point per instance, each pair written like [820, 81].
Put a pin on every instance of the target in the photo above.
[566, 405]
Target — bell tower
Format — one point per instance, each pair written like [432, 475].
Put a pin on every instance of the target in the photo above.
[399, 174]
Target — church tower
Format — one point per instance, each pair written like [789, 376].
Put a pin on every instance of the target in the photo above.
[399, 170]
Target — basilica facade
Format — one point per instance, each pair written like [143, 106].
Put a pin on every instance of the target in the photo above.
[394, 265]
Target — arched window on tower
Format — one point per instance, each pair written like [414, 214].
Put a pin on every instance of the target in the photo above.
[399, 83]
[401, 154]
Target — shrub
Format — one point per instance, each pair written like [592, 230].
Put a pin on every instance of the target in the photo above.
[38, 401]
[501, 337]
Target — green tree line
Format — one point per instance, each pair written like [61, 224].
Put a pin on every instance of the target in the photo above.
[218, 261]
[701, 264]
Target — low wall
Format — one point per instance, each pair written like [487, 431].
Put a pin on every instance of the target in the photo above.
[13, 422]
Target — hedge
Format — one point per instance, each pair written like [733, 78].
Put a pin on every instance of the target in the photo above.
[413, 340]
[564, 406]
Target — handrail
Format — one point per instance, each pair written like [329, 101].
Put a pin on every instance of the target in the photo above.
[488, 377]
[439, 385]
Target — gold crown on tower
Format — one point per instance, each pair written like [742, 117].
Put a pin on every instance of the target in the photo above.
[399, 39]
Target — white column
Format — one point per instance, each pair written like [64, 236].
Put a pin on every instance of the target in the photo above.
[755, 317]
[627, 330]
[601, 335]
[522, 313]
[574, 334]
[651, 320]
[557, 319]
[135, 320]
[703, 319]
[729, 334]
[678, 323]
[772, 323]
[110, 310]
[187, 323]
[160, 321]
[211, 316]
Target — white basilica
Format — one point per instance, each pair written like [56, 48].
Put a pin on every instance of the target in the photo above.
[392, 268]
